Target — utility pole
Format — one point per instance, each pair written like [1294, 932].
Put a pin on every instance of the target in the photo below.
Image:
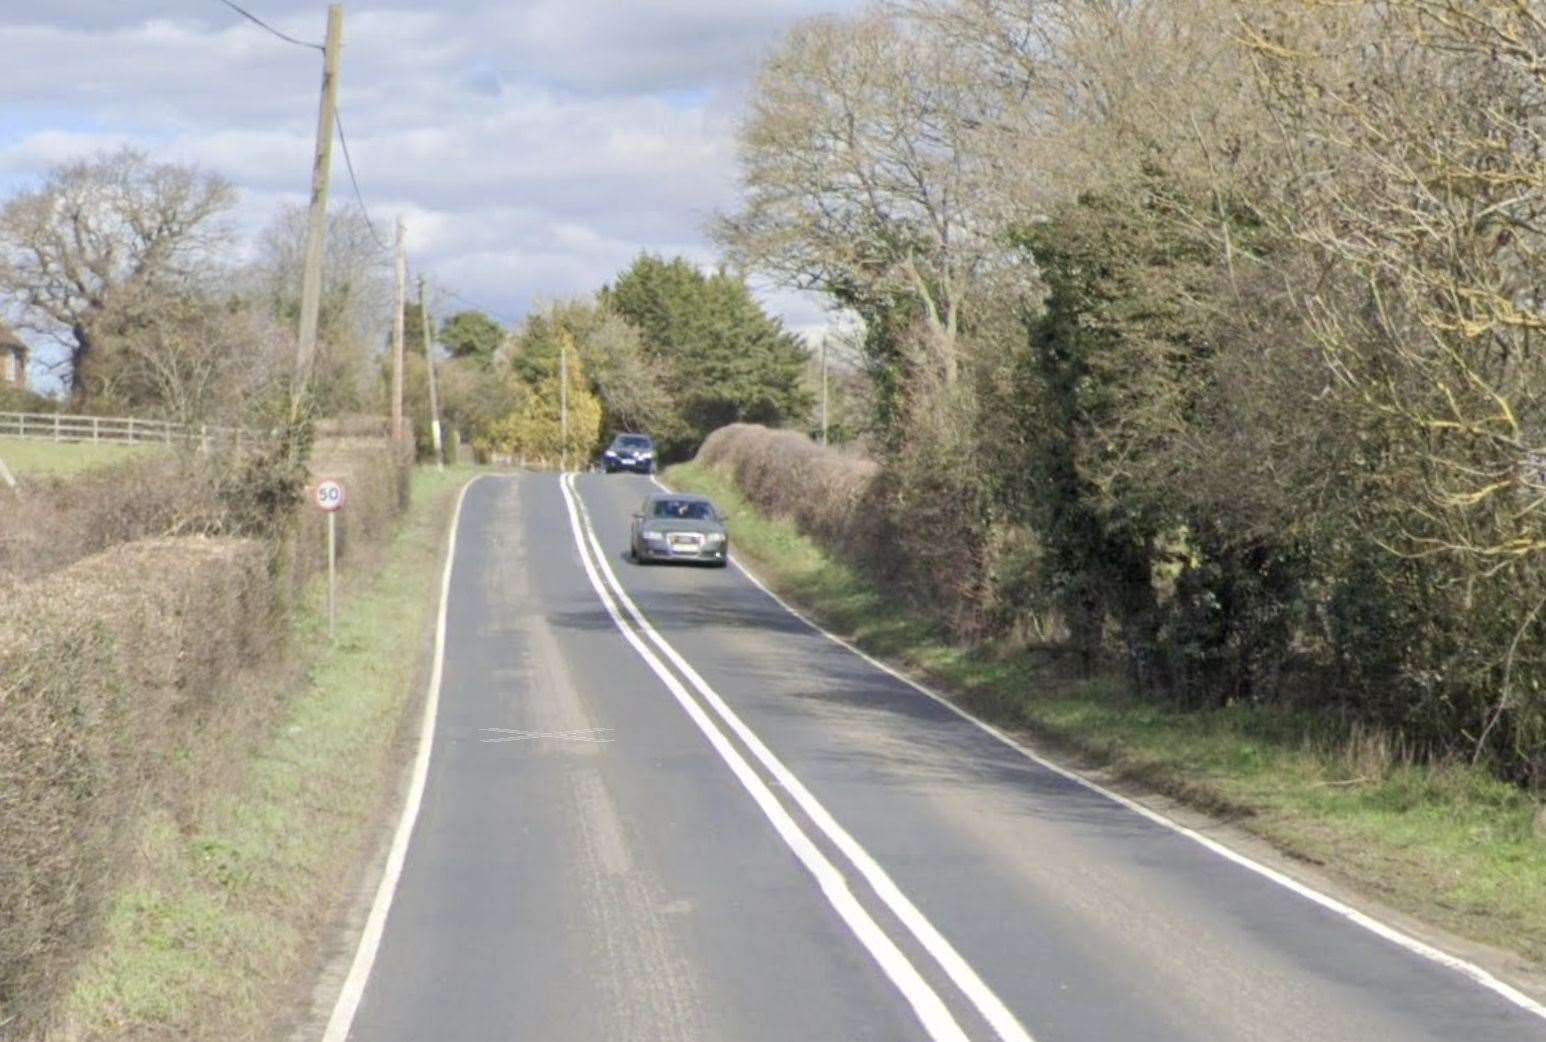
[429, 367]
[563, 400]
[316, 221]
[397, 333]
[823, 388]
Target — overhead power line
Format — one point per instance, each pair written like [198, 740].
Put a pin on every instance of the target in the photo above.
[359, 197]
[354, 180]
[255, 20]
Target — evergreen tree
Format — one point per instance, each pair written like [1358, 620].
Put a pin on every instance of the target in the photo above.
[471, 334]
[721, 358]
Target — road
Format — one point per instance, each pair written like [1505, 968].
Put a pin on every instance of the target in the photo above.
[658, 806]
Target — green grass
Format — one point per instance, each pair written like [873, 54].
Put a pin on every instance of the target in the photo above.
[1447, 844]
[226, 912]
[28, 456]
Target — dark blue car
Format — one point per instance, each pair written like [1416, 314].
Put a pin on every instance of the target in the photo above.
[635, 452]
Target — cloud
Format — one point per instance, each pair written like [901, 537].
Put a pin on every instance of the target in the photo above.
[534, 147]
[623, 45]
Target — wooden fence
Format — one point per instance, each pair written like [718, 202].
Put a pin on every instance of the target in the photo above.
[58, 426]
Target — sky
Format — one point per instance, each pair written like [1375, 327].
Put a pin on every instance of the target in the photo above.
[534, 147]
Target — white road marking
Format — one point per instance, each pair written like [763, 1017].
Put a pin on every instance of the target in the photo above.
[925, 1001]
[956, 967]
[353, 989]
[1411, 944]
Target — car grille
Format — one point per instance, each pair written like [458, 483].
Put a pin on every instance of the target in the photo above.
[685, 542]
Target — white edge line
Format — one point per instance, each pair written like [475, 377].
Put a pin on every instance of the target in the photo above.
[930, 1009]
[1468, 969]
[353, 989]
[960, 972]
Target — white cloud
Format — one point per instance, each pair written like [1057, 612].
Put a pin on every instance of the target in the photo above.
[534, 147]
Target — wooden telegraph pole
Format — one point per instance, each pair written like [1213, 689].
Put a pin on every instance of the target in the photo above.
[397, 332]
[321, 168]
[429, 367]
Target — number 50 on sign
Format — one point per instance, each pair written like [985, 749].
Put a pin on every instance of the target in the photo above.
[329, 495]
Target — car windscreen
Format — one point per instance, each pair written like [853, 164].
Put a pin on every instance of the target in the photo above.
[684, 509]
[633, 442]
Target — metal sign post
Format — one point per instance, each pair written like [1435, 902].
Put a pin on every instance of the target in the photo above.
[330, 497]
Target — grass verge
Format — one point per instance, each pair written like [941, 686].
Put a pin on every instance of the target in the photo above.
[1446, 844]
[228, 905]
[28, 456]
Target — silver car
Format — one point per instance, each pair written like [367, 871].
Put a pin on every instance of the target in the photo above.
[671, 526]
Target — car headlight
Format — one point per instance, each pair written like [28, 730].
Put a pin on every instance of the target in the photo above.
[653, 535]
[609, 454]
[714, 538]
[647, 455]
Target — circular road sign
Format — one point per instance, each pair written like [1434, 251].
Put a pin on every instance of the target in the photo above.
[330, 495]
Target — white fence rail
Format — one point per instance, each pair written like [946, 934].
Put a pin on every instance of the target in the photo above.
[58, 426]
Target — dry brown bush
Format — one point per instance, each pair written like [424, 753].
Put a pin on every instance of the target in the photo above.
[114, 667]
[977, 579]
[52, 523]
[109, 670]
[823, 491]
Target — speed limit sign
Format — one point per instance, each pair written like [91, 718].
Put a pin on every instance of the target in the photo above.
[330, 495]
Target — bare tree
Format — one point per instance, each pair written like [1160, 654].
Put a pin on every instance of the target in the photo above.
[1412, 131]
[99, 225]
[1093, 95]
[1430, 239]
[195, 356]
[858, 176]
[355, 304]
[628, 385]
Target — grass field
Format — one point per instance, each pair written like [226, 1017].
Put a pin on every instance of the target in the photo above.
[1446, 844]
[33, 457]
[227, 910]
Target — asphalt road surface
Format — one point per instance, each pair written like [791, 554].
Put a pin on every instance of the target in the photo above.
[658, 806]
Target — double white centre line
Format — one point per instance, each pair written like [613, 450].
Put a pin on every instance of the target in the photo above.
[931, 1010]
